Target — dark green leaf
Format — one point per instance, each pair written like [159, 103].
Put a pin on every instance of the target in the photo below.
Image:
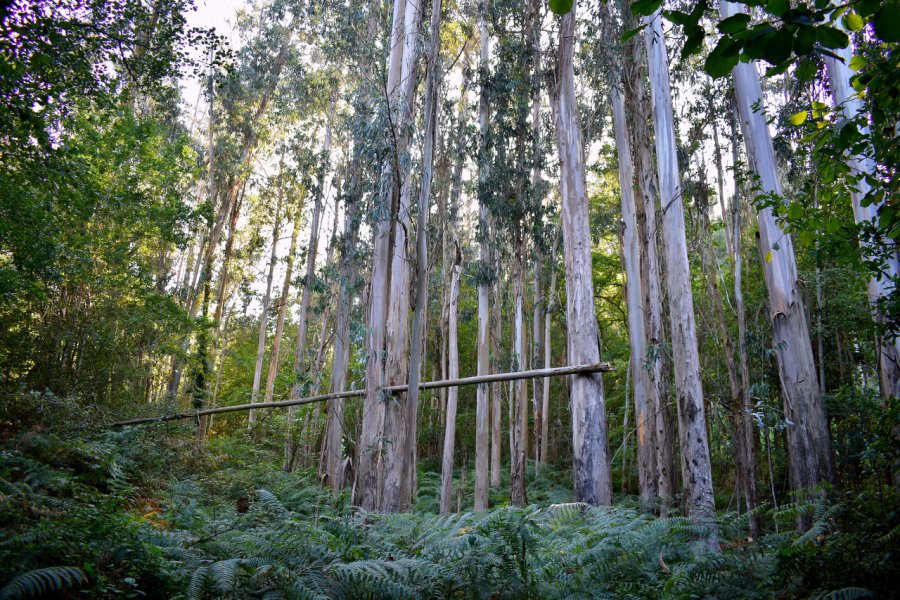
[778, 48]
[830, 37]
[778, 7]
[734, 23]
[805, 40]
[722, 59]
[806, 70]
[887, 23]
[632, 32]
[645, 8]
[561, 7]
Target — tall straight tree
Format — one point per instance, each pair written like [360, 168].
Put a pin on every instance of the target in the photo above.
[696, 466]
[382, 477]
[453, 393]
[637, 338]
[267, 305]
[590, 460]
[850, 107]
[482, 406]
[809, 442]
[418, 324]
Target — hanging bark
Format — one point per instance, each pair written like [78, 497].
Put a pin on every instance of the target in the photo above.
[482, 406]
[382, 470]
[695, 462]
[591, 465]
[809, 444]
[450, 429]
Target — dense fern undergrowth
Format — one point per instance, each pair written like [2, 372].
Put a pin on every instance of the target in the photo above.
[146, 514]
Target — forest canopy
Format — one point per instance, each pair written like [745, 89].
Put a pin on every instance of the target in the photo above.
[464, 298]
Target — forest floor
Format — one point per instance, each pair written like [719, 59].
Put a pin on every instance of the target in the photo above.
[144, 513]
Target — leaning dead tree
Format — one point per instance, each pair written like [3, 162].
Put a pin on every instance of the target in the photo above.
[393, 389]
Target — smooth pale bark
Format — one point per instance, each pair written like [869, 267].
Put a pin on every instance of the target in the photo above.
[537, 337]
[548, 346]
[482, 406]
[397, 474]
[453, 393]
[264, 315]
[519, 409]
[809, 443]
[226, 258]
[637, 115]
[590, 460]
[696, 465]
[850, 106]
[382, 475]
[637, 339]
[496, 401]
[334, 458]
[419, 337]
[367, 490]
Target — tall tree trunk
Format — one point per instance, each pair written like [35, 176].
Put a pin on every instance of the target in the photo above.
[548, 354]
[419, 336]
[397, 492]
[537, 337]
[745, 465]
[647, 191]
[519, 409]
[809, 444]
[299, 374]
[266, 307]
[590, 460]
[382, 477]
[496, 400]
[644, 425]
[341, 364]
[696, 465]
[482, 406]
[453, 368]
[850, 105]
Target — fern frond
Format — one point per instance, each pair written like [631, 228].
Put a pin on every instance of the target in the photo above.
[42, 582]
[847, 593]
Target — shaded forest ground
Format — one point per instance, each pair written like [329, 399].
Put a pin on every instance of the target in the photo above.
[146, 513]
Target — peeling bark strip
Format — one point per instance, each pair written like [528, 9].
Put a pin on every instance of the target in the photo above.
[590, 460]
[589, 369]
[809, 444]
[695, 459]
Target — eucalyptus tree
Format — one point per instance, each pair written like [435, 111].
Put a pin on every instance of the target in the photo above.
[382, 476]
[809, 442]
[590, 460]
[696, 464]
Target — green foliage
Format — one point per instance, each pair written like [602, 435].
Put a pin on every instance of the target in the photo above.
[42, 582]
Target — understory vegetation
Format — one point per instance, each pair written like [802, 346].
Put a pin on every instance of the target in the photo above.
[148, 514]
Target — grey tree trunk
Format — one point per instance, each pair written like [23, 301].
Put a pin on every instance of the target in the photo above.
[264, 315]
[482, 406]
[809, 444]
[644, 421]
[453, 392]
[850, 105]
[696, 465]
[548, 347]
[590, 460]
[419, 336]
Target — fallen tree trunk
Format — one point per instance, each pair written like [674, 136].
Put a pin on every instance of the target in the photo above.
[429, 385]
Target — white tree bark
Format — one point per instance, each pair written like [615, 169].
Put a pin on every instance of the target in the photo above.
[850, 105]
[809, 444]
[637, 338]
[696, 465]
[453, 393]
[591, 466]
[482, 407]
